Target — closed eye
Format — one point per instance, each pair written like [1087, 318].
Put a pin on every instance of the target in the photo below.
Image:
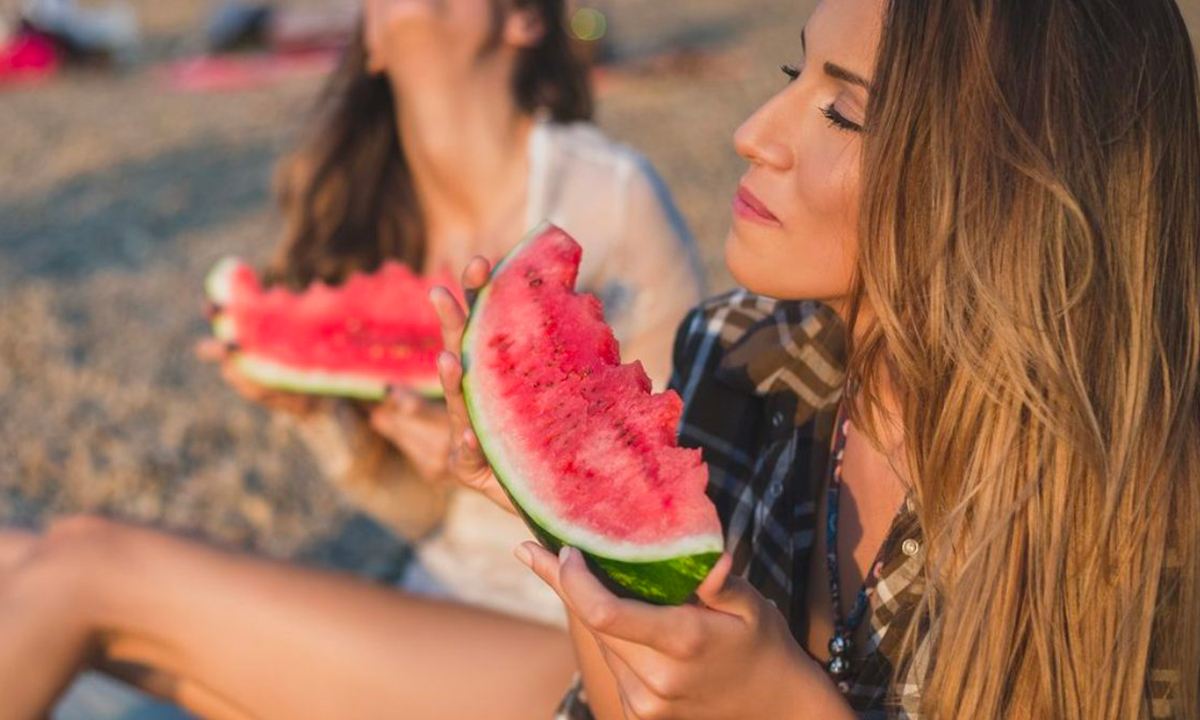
[838, 120]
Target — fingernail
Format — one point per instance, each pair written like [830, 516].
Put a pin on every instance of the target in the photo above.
[564, 554]
[446, 360]
[524, 555]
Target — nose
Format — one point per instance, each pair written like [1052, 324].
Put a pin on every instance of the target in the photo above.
[762, 138]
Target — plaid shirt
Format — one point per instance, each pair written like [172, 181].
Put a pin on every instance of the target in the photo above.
[761, 382]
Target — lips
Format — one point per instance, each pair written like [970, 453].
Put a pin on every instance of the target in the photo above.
[746, 205]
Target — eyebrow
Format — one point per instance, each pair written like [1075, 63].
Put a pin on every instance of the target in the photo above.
[837, 72]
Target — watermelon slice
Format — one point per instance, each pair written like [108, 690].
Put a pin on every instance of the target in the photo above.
[355, 340]
[584, 450]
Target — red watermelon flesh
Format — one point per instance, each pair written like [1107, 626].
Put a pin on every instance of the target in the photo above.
[356, 340]
[578, 440]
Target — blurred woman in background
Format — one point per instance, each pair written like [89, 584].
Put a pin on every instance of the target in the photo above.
[451, 128]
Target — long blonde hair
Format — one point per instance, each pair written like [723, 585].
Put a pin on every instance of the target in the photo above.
[1030, 252]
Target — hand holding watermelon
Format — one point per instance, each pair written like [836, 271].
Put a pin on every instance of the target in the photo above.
[419, 428]
[290, 403]
[543, 411]
[466, 460]
[730, 655]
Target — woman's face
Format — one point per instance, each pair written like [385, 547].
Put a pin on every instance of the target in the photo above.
[794, 233]
[421, 37]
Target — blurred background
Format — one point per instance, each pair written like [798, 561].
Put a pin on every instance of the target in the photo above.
[125, 175]
[122, 181]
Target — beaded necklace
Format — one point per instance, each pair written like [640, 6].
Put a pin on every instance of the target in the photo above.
[840, 645]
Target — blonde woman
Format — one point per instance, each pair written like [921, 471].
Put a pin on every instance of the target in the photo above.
[967, 485]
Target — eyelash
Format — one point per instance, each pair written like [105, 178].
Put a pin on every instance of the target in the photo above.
[838, 120]
[835, 118]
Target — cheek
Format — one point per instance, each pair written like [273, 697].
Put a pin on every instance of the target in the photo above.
[812, 255]
[826, 225]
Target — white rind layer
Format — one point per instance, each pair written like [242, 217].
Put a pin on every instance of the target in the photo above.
[512, 471]
[219, 283]
[276, 375]
[224, 328]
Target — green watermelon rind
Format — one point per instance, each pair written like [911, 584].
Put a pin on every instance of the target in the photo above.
[664, 575]
[279, 376]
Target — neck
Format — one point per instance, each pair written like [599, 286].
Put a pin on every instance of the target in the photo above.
[465, 141]
[887, 415]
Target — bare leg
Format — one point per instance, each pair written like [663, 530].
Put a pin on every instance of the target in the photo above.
[15, 545]
[262, 638]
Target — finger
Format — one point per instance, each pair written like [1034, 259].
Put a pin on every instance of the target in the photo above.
[543, 563]
[246, 388]
[474, 277]
[602, 612]
[728, 593]
[626, 711]
[382, 421]
[404, 402]
[291, 403]
[212, 350]
[287, 402]
[467, 457]
[451, 317]
[450, 374]
[636, 696]
[421, 439]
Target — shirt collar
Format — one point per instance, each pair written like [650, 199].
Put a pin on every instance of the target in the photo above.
[797, 349]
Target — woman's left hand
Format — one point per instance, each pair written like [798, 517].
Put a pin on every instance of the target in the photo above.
[730, 656]
[419, 428]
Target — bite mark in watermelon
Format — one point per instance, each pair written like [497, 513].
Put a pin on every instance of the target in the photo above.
[583, 449]
[356, 340]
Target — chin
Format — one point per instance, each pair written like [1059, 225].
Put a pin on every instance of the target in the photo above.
[754, 271]
[783, 278]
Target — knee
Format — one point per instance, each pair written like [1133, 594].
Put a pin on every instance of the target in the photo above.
[79, 540]
[58, 560]
[79, 531]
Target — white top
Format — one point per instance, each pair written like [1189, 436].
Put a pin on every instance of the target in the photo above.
[639, 258]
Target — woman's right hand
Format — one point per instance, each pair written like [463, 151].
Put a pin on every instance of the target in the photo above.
[300, 406]
[467, 461]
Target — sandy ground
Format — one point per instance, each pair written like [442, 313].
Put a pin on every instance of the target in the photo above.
[116, 195]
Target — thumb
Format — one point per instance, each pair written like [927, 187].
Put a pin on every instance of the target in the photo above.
[724, 592]
[403, 400]
[212, 350]
[380, 418]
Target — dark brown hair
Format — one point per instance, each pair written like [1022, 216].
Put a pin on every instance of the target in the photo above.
[347, 192]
